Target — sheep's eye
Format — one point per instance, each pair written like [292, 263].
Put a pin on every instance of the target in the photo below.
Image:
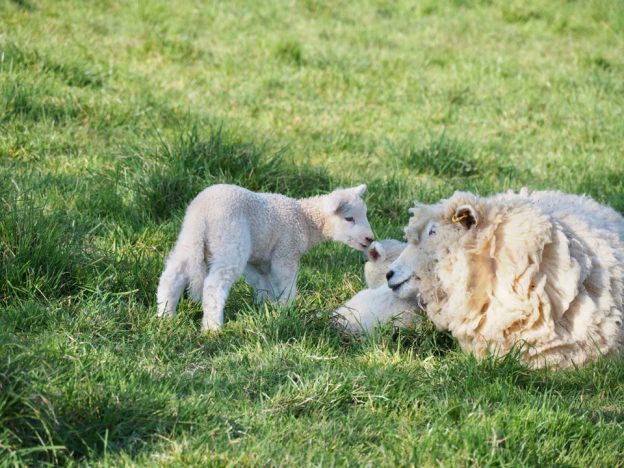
[431, 229]
[350, 219]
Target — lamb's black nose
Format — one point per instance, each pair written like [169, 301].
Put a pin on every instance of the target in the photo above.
[370, 240]
[389, 275]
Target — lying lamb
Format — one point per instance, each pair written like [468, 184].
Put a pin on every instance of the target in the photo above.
[260, 235]
[541, 270]
[377, 305]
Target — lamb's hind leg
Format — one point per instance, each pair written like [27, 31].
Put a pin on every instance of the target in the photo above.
[170, 286]
[224, 271]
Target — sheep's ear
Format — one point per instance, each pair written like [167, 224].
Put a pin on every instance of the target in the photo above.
[360, 190]
[466, 216]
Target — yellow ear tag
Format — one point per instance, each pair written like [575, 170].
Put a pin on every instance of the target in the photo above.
[457, 219]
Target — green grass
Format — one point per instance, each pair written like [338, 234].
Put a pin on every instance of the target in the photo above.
[113, 115]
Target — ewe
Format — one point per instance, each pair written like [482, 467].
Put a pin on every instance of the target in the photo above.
[228, 231]
[542, 270]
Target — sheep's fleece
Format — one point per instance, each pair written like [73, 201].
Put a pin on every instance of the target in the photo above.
[542, 270]
[228, 231]
[377, 304]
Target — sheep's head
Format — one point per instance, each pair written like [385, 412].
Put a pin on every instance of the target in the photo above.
[474, 264]
[346, 219]
[435, 235]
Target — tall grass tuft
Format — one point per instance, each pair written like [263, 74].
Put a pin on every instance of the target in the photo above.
[175, 172]
[443, 156]
[40, 252]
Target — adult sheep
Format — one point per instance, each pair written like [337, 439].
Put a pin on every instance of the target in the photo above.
[543, 271]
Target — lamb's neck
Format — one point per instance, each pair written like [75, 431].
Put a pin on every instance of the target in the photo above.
[316, 226]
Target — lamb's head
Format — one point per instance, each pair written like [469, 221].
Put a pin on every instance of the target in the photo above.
[473, 264]
[345, 217]
[379, 257]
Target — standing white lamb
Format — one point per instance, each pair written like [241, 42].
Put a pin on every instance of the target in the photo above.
[229, 231]
[377, 305]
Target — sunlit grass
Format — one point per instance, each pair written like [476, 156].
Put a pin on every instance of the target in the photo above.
[114, 115]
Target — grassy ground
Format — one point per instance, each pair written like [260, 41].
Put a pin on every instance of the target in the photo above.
[114, 114]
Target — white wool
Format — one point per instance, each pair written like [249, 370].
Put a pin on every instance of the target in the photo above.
[379, 257]
[229, 231]
[542, 269]
[373, 307]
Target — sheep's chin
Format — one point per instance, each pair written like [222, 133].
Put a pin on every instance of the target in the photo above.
[407, 290]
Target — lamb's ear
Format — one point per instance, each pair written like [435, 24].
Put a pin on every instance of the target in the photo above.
[360, 190]
[376, 251]
[373, 254]
[335, 201]
[466, 216]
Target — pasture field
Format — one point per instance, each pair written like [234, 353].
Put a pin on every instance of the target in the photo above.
[114, 114]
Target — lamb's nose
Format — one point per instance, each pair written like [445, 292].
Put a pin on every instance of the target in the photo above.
[389, 275]
[369, 240]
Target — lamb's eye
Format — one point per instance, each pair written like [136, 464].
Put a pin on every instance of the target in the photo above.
[350, 219]
[432, 231]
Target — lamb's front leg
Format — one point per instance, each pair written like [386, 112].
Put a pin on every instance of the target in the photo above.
[284, 280]
[259, 282]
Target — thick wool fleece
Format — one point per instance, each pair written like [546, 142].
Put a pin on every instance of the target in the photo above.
[228, 231]
[542, 270]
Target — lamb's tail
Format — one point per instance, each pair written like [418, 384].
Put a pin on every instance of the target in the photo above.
[191, 246]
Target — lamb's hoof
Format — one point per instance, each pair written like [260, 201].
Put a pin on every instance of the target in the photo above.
[210, 327]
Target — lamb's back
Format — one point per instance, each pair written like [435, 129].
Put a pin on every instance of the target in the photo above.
[267, 216]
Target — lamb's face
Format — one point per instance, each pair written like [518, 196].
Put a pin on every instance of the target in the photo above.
[379, 257]
[346, 220]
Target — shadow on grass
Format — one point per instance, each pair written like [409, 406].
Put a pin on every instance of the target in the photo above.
[39, 428]
[35, 62]
[28, 102]
[450, 158]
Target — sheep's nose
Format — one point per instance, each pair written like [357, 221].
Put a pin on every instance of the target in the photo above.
[389, 275]
[369, 240]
